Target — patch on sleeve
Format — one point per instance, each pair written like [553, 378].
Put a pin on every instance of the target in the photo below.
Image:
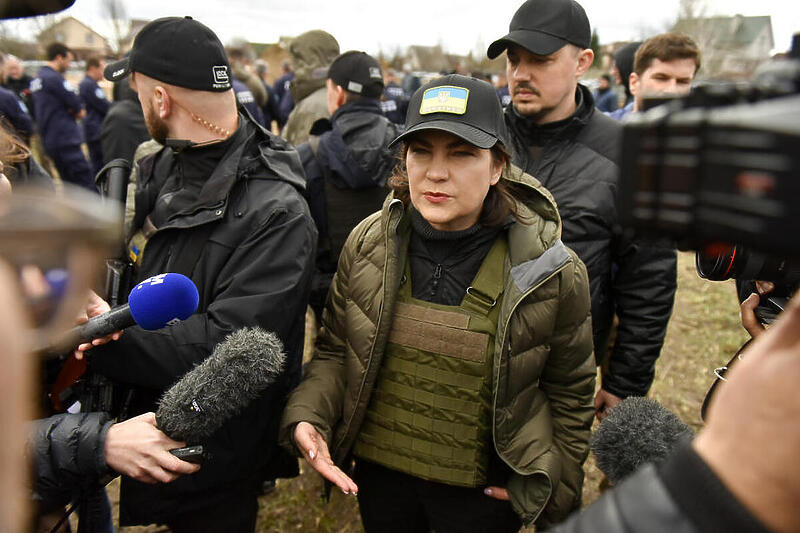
[444, 99]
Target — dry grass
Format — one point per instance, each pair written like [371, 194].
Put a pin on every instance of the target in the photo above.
[703, 334]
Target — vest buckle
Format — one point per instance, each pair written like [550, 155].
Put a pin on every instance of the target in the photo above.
[482, 298]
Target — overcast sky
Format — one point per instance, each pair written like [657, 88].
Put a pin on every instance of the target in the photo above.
[459, 27]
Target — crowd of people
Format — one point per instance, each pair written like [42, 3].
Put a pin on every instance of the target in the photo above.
[459, 245]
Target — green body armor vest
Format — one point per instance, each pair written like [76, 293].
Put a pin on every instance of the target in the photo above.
[430, 414]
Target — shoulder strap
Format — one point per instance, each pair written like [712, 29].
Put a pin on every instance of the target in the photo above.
[488, 284]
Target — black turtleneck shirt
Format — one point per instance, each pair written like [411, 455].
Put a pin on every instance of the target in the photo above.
[444, 263]
[192, 167]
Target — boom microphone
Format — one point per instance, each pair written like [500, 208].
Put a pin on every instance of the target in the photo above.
[637, 431]
[157, 302]
[239, 369]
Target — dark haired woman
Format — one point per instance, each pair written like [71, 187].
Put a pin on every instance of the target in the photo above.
[455, 358]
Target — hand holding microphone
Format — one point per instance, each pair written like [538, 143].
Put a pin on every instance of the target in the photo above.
[136, 448]
[95, 306]
[241, 367]
[155, 303]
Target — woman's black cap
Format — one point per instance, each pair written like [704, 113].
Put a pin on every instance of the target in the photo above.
[466, 107]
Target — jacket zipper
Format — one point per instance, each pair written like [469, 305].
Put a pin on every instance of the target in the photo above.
[497, 379]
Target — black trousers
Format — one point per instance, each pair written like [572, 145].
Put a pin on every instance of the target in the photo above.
[72, 166]
[391, 501]
[235, 513]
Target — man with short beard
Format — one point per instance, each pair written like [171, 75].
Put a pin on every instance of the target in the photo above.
[221, 203]
[572, 149]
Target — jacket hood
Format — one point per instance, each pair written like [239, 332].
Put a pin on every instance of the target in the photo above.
[540, 228]
[355, 148]
[312, 52]
[277, 155]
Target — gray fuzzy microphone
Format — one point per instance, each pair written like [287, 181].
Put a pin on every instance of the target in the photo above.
[637, 431]
[236, 373]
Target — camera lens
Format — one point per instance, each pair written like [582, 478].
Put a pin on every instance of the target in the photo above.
[720, 263]
[716, 266]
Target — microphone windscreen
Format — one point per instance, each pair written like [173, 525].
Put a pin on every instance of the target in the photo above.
[163, 299]
[637, 431]
[236, 373]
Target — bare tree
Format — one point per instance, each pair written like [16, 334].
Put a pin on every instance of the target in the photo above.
[116, 13]
[694, 21]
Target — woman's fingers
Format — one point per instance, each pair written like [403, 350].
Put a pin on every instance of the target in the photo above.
[498, 493]
[315, 450]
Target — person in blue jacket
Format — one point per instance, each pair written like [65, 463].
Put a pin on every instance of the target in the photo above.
[97, 105]
[14, 111]
[605, 99]
[57, 107]
[245, 98]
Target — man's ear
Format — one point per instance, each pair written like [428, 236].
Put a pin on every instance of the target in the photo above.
[163, 102]
[633, 83]
[341, 97]
[585, 60]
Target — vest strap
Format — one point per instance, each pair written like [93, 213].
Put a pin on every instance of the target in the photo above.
[486, 288]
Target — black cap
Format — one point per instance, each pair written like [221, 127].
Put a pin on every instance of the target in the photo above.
[463, 106]
[545, 26]
[358, 73]
[178, 51]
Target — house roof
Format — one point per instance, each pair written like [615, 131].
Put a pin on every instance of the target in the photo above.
[46, 34]
[729, 33]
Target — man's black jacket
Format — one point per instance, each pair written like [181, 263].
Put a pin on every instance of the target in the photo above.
[123, 128]
[579, 166]
[255, 269]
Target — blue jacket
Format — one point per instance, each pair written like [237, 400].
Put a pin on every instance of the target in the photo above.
[246, 99]
[96, 108]
[56, 105]
[270, 109]
[606, 101]
[504, 96]
[15, 112]
[622, 112]
[284, 96]
[395, 104]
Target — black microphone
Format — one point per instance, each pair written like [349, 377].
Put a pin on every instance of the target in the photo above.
[219, 388]
[637, 431]
[156, 302]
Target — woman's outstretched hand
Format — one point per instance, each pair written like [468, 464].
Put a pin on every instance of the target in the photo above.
[315, 450]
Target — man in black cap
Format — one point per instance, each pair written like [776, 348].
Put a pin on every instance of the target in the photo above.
[221, 203]
[560, 139]
[347, 160]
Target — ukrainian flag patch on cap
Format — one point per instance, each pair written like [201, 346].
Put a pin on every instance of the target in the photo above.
[444, 99]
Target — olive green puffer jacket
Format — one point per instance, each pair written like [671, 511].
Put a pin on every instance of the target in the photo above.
[544, 370]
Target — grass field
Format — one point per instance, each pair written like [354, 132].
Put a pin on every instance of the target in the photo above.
[703, 334]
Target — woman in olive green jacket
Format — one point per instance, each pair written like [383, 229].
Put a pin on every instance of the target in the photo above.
[480, 400]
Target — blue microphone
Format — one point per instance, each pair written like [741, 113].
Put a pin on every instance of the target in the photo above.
[157, 302]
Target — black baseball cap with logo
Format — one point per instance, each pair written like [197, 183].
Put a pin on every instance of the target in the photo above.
[466, 107]
[179, 51]
[358, 73]
[544, 27]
